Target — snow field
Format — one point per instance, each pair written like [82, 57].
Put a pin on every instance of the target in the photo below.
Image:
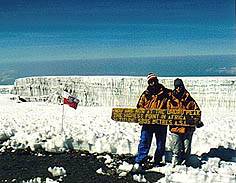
[39, 126]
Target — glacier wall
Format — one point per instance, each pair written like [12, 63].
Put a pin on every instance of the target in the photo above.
[124, 91]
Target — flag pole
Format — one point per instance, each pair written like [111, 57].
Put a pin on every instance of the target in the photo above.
[62, 118]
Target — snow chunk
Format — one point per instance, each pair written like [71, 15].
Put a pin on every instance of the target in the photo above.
[125, 167]
[139, 178]
[57, 171]
[100, 171]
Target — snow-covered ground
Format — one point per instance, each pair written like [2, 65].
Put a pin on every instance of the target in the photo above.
[38, 125]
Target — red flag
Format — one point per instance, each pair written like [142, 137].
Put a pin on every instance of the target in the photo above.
[70, 100]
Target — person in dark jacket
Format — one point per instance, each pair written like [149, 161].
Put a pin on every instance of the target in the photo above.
[154, 97]
[181, 136]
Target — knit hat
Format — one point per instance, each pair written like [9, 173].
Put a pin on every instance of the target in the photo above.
[151, 76]
[178, 82]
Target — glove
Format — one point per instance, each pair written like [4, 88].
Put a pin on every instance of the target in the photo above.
[200, 124]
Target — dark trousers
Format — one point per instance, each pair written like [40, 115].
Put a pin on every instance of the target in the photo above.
[146, 141]
[181, 146]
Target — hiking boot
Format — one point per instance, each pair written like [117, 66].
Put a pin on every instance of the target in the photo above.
[159, 164]
[148, 165]
[151, 165]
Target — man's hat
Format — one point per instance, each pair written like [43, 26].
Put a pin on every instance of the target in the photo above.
[151, 76]
[178, 82]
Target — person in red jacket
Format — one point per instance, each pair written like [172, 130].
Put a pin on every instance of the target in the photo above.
[154, 97]
[181, 136]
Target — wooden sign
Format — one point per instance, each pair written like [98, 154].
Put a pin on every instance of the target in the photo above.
[157, 116]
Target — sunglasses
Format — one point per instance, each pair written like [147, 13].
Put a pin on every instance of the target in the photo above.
[150, 82]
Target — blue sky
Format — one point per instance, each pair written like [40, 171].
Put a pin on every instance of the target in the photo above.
[73, 29]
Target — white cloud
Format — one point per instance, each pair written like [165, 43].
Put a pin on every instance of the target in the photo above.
[6, 76]
[230, 70]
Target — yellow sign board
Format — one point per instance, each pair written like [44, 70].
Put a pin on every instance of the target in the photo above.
[157, 116]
